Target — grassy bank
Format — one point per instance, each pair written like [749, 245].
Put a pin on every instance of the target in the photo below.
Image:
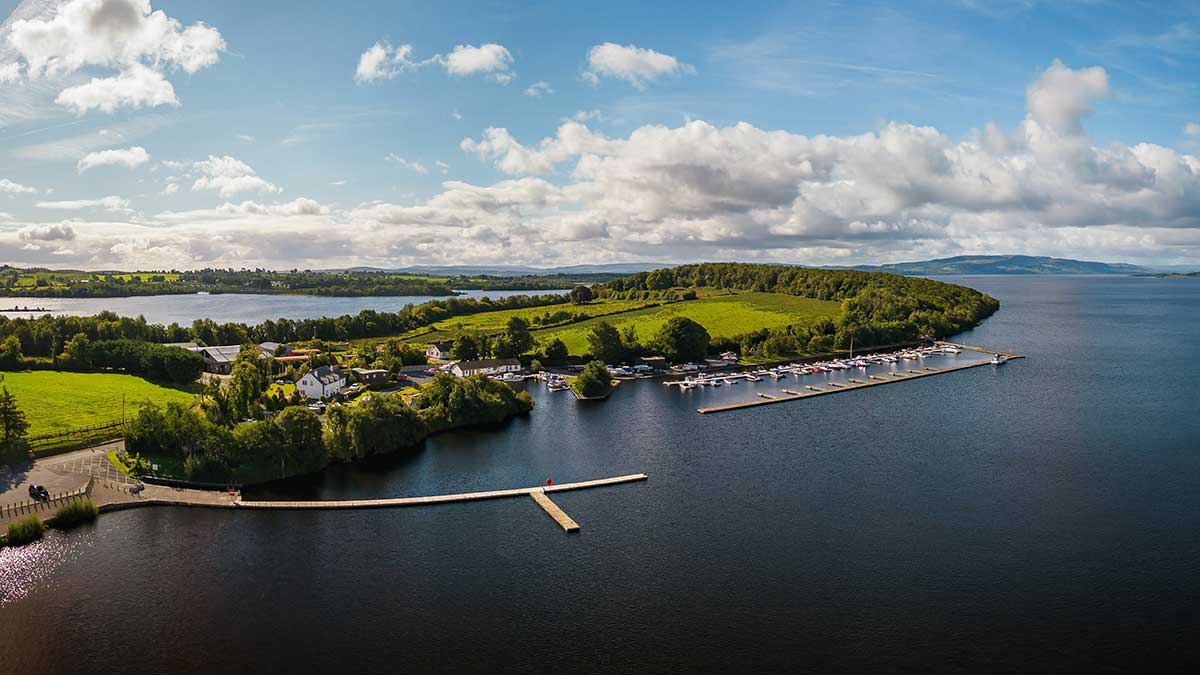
[57, 402]
[722, 315]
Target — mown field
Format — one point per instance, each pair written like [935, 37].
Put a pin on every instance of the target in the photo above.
[493, 322]
[64, 279]
[722, 315]
[55, 402]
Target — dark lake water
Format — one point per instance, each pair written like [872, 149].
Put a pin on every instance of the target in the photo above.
[237, 307]
[1043, 515]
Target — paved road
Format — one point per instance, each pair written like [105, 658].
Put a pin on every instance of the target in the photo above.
[61, 473]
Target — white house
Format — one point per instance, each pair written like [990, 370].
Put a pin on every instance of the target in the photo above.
[322, 382]
[485, 366]
[439, 350]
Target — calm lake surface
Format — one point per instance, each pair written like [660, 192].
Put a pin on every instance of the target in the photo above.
[1043, 515]
[237, 307]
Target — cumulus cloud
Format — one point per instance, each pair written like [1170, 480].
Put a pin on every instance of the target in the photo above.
[701, 191]
[382, 61]
[229, 176]
[57, 232]
[128, 157]
[110, 203]
[13, 188]
[301, 206]
[126, 36]
[631, 63]
[490, 59]
[1061, 97]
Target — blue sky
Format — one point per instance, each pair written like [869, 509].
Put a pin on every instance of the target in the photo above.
[270, 133]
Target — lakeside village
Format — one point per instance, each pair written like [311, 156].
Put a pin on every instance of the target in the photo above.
[331, 384]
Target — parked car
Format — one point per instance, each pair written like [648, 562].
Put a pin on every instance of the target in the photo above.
[39, 493]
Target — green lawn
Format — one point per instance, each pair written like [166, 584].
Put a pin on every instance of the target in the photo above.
[722, 315]
[55, 402]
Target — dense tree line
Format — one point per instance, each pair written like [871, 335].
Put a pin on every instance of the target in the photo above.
[39, 282]
[215, 448]
[46, 336]
[877, 308]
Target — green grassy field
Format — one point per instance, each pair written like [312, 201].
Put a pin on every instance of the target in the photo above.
[493, 322]
[722, 315]
[55, 402]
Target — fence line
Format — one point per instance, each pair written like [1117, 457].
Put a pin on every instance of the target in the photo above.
[35, 505]
[74, 432]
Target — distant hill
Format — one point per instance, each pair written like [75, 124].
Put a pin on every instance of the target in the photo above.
[1003, 264]
[516, 270]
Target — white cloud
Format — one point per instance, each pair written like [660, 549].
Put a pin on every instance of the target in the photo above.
[9, 187]
[443, 167]
[128, 157]
[471, 60]
[135, 87]
[10, 72]
[1191, 129]
[338, 183]
[416, 167]
[455, 115]
[110, 203]
[229, 176]
[301, 206]
[1061, 97]
[57, 232]
[631, 63]
[170, 188]
[126, 36]
[245, 137]
[382, 61]
[699, 191]
[539, 89]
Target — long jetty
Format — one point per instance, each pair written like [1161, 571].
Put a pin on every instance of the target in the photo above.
[855, 384]
[540, 496]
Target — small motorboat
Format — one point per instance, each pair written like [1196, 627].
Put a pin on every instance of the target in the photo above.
[999, 359]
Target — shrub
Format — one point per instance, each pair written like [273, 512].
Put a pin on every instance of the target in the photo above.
[76, 513]
[25, 530]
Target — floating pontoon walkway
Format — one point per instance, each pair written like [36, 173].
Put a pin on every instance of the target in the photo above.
[539, 495]
[872, 381]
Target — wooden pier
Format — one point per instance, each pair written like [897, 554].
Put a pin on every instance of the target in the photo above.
[872, 381]
[564, 521]
[539, 495]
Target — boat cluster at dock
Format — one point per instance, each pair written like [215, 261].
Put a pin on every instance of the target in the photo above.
[797, 369]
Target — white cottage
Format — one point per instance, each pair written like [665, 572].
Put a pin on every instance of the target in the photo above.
[321, 383]
[485, 366]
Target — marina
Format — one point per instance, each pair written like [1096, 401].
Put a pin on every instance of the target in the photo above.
[901, 364]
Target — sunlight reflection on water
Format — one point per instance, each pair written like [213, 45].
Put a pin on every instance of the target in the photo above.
[24, 568]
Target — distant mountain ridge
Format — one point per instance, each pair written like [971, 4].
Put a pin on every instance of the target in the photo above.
[1003, 264]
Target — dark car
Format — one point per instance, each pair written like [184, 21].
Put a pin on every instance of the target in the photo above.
[39, 493]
